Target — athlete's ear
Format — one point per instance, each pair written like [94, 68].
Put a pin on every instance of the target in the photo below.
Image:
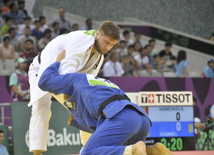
[97, 34]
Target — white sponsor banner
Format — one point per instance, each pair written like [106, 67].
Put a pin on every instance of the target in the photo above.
[162, 98]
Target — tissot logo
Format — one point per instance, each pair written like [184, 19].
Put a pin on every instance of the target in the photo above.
[165, 98]
[148, 98]
[144, 98]
[151, 98]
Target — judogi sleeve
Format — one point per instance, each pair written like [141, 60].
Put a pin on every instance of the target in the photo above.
[55, 83]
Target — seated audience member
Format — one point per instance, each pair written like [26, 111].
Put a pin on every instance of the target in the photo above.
[212, 37]
[63, 22]
[149, 50]
[27, 22]
[88, 24]
[29, 53]
[55, 30]
[126, 36]
[7, 26]
[6, 50]
[17, 15]
[132, 61]
[19, 82]
[6, 7]
[181, 64]
[171, 63]
[3, 149]
[121, 50]
[157, 62]
[136, 48]
[152, 43]
[36, 31]
[21, 4]
[45, 39]
[166, 52]
[24, 37]
[209, 69]
[127, 67]
[113, 67]
[75, 27]
[143, 60]
[63, 31]
[13, 38]
[43, 25]
[137, 37]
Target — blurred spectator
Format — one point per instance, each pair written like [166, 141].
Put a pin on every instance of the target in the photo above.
[3, 149]
[130, 50]
[127, 67]
[88, 24]
[171, 63]
[166, 52]
[126, 36]
[132, 61]
[24, 37]
[152, 43]
[113, 67]
[13, 38]
[157, 62]
[181, 64]
[21, 7]
[143, 60]
[29, 4]
[121, 50]
[137, 36]
[1, 19]
[43, 25]
[17, 15]
[212, 37]
[27, 22]
[19, 82]
[208, 70]
[7, 26]
[36, 32]
[29, 53]
[63, 31]
[55, 30]
[149, 50]
[136, 48]
[6, 50]
[45, 39]
[6, 6]
[63, 22]
[75, 27]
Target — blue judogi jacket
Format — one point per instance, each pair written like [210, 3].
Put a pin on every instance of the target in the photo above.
[87, 93]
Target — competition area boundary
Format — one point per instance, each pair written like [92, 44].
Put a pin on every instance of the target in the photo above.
[181, 153]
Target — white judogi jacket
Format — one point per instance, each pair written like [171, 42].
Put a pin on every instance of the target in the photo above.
[77, 46]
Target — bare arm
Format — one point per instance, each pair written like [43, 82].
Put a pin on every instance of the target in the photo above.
[185, 72]
[16, 90]
[13, 54]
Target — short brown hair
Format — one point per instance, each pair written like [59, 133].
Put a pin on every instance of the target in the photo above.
[110, 29]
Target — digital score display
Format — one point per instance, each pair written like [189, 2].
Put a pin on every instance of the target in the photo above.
[173, 126]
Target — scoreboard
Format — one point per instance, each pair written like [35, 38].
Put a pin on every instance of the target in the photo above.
[172, 118]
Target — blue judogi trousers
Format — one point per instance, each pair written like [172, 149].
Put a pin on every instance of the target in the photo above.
[112, 135]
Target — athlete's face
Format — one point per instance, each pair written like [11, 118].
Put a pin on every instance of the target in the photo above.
[104, 43]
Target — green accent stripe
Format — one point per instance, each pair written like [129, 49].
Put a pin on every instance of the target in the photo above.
[96, 82]
[90, 32]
